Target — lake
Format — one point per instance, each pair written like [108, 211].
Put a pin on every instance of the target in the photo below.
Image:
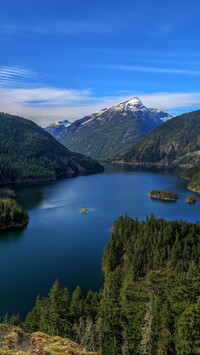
[61, 243]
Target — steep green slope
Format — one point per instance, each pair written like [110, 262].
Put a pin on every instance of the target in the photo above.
[175, 142]
[151, 302]
[28, 153]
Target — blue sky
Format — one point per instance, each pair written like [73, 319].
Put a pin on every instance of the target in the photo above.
[67, 58]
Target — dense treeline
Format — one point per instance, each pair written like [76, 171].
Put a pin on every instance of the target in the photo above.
[150, 301]
[192, 174]
[12, 215]
[4, 193]
[28, 153]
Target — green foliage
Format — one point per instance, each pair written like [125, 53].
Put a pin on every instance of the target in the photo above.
[157, 263]
[7, 193]
[187, 333]
[65, 314]
[15, 319]
[163, 195]
[28, 153]
[11, 214]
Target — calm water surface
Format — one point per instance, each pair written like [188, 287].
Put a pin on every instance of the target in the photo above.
[60, 243]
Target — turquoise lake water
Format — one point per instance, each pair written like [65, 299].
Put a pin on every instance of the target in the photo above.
[61, 243]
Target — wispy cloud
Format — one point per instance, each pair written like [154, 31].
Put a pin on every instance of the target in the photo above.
[45, 105]
[58, 28]
[138, 68]
[14, 76]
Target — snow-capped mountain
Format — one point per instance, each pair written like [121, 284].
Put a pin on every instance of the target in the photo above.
[57, 127]
[106, 133]
[162, 115]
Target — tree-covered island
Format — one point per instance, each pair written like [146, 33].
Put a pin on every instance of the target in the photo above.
[163, 195]
[190, 199]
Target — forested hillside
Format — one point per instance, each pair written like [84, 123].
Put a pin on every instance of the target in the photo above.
[150, 301]
[175, 142]
[28, 154]
[193, 175]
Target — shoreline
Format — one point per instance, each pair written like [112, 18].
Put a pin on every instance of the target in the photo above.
[37, 181]
[150, 164]
[14, 226]
[163, 198]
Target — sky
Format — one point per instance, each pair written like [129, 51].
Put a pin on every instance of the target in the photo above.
[64, 59]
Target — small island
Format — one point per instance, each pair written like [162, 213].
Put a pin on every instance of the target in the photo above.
[163, 195]
[190, 199]
[12, 215]
[84, 210]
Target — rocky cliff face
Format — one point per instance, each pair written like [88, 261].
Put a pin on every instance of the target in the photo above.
[14, 341]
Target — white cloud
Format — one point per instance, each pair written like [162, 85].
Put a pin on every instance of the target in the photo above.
[149, 69]
[46, 105]
[170, 101]
[14, 76]
[66, 27]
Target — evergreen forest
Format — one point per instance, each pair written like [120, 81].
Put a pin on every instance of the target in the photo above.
[149, 302]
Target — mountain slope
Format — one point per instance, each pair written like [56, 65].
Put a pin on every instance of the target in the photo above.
[105, 133]
[175, 142]
[28, 153]
[149, 303]
[56, 128]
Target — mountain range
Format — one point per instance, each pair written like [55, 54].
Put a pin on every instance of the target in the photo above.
[106, 133]
[28, 154]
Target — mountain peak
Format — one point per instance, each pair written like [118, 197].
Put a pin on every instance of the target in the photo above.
[135, 101]
[132, 104]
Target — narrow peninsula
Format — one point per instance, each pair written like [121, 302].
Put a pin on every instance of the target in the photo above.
[12, 215]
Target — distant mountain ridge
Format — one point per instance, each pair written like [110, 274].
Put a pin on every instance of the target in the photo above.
[175, 142]
[56, 128]
[29, 154]
[105, 133]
